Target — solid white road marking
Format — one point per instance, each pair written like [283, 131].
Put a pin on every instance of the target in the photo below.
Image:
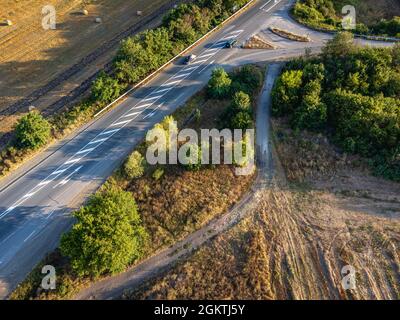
[85, 150]
[108, 132]
[179, 76]
[276, 2]
[265, 4]
[73, 161]
[97, 141]
[30, 235]
[131, 114]
[68, 178]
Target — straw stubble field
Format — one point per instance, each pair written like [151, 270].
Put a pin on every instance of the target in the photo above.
[31, 57]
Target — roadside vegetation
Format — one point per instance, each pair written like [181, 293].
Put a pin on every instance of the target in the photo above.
[142, 209]
[137, 57]
[352, 94]
[326, 15]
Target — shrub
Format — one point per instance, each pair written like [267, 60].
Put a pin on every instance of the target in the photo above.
[158, 174]
[247, 78]
[241, 102]
[351, 93]
[108, 235]
[134, 166]
[32, 131]
[105, 88]
[194, 163]
[219, 84]
[286, 93]
[242, 120]
[312, 112]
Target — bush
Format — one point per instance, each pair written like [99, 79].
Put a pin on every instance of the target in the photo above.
[286, 93]
[312, 112]
[32, 131]
[195, 159]
[105, 88]
[242, 120]
[247, 78]
[108, 235]
[134, 166]
[241, 102]
[158, 174]
[219, 84]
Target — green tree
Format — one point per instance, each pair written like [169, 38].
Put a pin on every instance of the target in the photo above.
[241, 102]
[341, 45]
[105, 88]
[242, 120]
[32, 131]
[286, 93]
[134, 166]
[312, 112]
[107, 236]
[247, 78]
[219, 84]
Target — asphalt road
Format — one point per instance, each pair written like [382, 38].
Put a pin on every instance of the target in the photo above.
[36, 201]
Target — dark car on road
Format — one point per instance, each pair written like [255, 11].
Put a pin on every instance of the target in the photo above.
[229, 44]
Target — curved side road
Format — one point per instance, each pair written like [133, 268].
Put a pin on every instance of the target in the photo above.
[114, 287]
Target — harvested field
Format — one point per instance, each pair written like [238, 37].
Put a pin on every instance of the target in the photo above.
[43, 66]
[328, 213]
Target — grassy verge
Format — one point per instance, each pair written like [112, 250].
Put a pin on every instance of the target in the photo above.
[172, 204]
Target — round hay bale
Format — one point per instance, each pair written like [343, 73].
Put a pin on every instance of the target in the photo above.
[85, 12]
[98, 20]
[31, 108]
[9, 23]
